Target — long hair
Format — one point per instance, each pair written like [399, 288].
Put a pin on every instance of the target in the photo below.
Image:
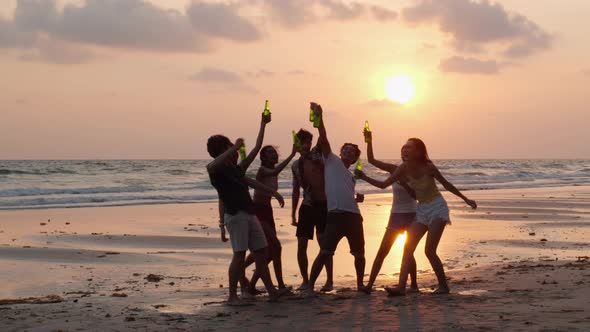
[421, 147]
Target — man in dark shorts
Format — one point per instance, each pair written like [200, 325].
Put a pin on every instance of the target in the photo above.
[344, 217]
[308, 173]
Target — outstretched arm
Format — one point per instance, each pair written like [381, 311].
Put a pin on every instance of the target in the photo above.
[377, 163]
[213, 166]
[323, 142]
[377, 183]
[262, 187]
[244, 164]
[396, 175]
[280, 167]
[449, 186]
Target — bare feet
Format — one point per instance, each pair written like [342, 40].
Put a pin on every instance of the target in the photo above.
[309, 293]
[285, 291]
[328, 287]
[303, 286]
[247, 296]
[413, 289]
[395, 291]
[235, 301]
[254, 291]
[364, 289]
[441, 290]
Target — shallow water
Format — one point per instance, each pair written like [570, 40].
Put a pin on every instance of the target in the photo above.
[32, 184]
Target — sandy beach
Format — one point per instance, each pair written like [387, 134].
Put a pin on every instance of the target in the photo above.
[519, 262]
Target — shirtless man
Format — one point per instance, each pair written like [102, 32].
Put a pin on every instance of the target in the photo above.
[308, 173]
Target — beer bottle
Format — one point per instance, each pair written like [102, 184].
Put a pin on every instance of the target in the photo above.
[367, 130]
[266, 109]
[296, 140]
[243, 152]
[316, 119]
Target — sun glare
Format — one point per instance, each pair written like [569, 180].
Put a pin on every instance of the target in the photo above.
[400, 88]
[400, 242]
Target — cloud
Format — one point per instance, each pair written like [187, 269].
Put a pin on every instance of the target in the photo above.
[57, 52]
[341, 11]
[221, 80]
[216, 75]
[128, 24]
[292, 14]
[220, 20]
[134, 24]
[458, 64]
[13, 37]
[382, 103]
[383, 14]
[261, 74]
[473, 25]
[296, 72]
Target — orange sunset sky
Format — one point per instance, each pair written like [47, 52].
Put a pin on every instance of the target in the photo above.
[127, 79]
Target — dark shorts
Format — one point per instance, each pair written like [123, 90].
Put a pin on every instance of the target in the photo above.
[265, 215]
[401, 221]
[310, 217]
[344, 224]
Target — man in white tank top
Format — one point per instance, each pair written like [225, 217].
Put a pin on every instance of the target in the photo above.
[344, 217]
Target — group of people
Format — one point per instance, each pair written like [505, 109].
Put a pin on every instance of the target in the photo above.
[329, 207]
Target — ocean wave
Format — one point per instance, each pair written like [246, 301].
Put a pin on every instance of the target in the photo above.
[70, 191]
[48, 202]
[4, 171]
[48, 184]
[177, 172]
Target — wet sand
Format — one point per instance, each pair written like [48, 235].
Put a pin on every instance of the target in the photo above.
[517, 263]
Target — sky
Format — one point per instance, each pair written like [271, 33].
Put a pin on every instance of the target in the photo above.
[139, 79]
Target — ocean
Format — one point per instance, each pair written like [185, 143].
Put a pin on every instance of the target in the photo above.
[42, 184]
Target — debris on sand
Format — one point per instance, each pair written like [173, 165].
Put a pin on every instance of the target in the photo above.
[154, 278]
[158, 306]
[33, 300]
[119, 295]
[83, 293]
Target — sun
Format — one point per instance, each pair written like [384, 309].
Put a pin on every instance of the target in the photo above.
[400, 88]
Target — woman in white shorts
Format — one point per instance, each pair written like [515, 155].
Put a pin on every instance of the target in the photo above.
[432, 212]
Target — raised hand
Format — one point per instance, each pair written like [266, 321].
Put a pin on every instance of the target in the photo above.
[266, 118]
[360, 198]
[358, 174]
[317, 108]
[239, 143]
[368, 135]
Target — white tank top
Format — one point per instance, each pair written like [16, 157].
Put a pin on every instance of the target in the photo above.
[402, 201]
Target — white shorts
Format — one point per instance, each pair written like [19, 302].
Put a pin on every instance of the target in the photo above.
[245, 232]
[429, 211]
